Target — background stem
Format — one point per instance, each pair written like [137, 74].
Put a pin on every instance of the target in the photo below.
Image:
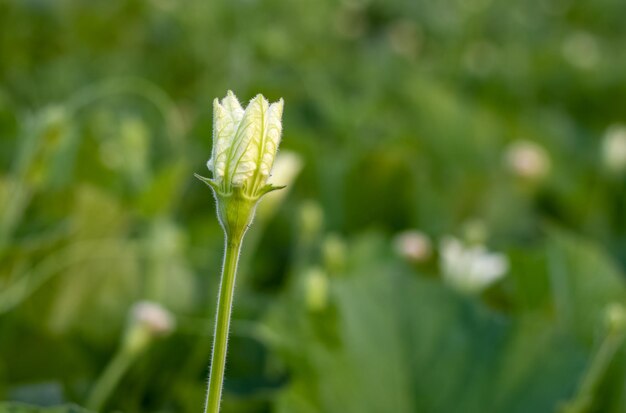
[584, 399]
[222, 323]
[111, 376]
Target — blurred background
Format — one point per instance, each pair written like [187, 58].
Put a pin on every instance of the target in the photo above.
[452, 237]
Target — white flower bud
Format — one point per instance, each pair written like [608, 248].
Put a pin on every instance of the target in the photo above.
[614, 149]
[244, 147]
[470, 269]
[527, 159]
[147, 320]
[244, 142]
[414, 246]
[157, 320]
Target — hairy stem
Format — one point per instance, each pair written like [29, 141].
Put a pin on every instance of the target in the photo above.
[222, 323]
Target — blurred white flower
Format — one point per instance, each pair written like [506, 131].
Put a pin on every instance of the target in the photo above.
[413, 245]
[527, 159]
[244, 143]
[614, 149]
[153, 317]
[286, 169]
[470, 269]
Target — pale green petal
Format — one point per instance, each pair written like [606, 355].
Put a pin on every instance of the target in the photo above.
[273, 130]
[244, 153]
[226, 118]
[232, 105]
[245, 142]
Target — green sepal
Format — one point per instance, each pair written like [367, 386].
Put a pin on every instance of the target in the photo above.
[208, 181]
[270, 188]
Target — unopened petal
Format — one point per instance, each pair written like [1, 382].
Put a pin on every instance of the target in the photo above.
[244, 154]
[245, 142]
[273, 132]
[227, 116]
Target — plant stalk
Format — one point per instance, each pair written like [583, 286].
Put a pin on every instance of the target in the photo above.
[222, 323]
[587, 392]
[134, 343]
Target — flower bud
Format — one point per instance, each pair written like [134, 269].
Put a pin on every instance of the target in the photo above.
[245, 142]
[154, 317]
[614, 149]
[414, 246]
[527, 160]
[470, 269]
[147, 320]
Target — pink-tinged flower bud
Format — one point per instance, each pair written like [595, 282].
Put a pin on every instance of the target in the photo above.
[414, 246]
[527, 160]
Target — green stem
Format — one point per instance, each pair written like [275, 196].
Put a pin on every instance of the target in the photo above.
[222, 323]
[134, 342]
[587, 391]
[108, 381]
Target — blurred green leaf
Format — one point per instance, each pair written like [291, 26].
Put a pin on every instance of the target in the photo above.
[23, 408]
[584, 281]
[402, 112]
[393, 341]
[530, 366]
[162, 193]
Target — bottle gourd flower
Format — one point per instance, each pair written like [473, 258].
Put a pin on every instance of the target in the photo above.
[244, 147]
[471, 268]
[245, 142]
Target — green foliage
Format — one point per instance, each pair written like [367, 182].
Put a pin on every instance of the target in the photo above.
[21, 408]
[403, 113]
[391, 339]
